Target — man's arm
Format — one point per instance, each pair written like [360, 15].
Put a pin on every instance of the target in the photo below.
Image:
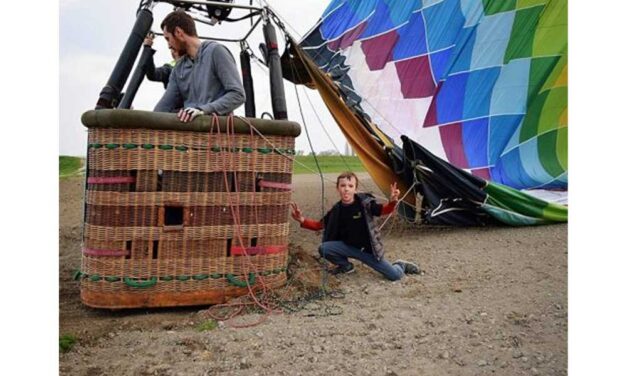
[172, 99]
[161, 74]
[226, 71]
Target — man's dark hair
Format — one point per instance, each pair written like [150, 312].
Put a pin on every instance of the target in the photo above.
[179, 19]
[347, 175]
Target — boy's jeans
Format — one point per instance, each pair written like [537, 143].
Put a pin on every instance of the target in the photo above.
[339, 252]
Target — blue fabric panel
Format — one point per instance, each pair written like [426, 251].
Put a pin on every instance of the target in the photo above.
[400, 11]
[349, 15]
[411, 41]
[501, 130]
[472, 10]
[510, 91]
[440, 62]
[334, 4]
[531, 163]
[509, 171]
[492, 39]
[429, 3]
[475, 139]
[379, 23]
[478, 92]
[463, 50]
[450, 99]
[444, 22]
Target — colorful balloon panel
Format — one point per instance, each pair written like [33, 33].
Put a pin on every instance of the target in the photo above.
[481, 84]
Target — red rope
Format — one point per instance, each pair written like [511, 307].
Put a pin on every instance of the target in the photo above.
[234, 208]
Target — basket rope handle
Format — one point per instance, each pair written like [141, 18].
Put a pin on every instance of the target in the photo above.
[236, 282]
[134, 283]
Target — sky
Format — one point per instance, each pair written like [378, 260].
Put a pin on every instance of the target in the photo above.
[92, 34]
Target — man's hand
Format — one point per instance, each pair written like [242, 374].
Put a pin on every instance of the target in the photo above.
[189, 114]
[296, 213]
[149, 39]
[394, 192]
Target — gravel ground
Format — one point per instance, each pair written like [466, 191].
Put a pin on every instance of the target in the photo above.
[492, 301]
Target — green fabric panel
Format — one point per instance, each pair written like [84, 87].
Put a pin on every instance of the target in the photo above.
[555, 74]
[524, 204]
[540, 71]
[514, 200]
[522, 36]
[554, 104]
[529, 3]
[510, 218]
[541, 68]
[547, 143]
[529, 126]
[562, 147]
[551, 36]
[491, 7]
[556, 212]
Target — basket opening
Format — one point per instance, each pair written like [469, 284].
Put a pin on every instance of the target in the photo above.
[173, 216]
[159, 180]
[229, 242]
[129, 246]
[155, 249]
[132, 187]
[253, 242]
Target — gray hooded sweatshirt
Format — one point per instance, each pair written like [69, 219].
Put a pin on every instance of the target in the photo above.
[211, 82]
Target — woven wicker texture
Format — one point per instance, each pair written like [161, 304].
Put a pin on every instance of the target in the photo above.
[179, 217]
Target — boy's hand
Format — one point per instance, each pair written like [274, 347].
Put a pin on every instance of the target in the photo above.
[394, 192]
[296, 213]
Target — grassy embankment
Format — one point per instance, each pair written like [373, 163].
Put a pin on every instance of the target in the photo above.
[71, 166]
[328, 164]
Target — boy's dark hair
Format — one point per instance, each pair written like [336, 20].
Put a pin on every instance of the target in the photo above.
[347, 175]
[179, 19]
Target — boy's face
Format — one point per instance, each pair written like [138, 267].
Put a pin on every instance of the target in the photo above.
[346, 187]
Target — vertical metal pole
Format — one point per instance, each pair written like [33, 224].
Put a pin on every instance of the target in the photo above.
[136, 78]
[247, 77]
[277, 91]
[111, 92]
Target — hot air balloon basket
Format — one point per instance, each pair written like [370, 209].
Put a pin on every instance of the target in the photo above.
[183, 217]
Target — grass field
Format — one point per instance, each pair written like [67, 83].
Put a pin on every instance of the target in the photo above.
[328, 164]
[71, 166]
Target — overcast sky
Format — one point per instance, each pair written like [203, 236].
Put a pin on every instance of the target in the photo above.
[92, 34]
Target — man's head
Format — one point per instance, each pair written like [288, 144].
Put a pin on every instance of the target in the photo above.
[178, 27]
[346, 186]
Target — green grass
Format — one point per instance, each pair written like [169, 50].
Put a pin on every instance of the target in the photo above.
[328, 164]
[207, 325]
[66, 342]
[69, 166]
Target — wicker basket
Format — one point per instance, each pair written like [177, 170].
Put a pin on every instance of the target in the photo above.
[183, 214]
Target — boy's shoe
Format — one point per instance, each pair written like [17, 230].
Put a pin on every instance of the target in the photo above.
[343, 270]
[408, 267]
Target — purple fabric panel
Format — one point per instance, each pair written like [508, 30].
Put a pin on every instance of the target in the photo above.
[451, 136]
[348, 38]
[415, 77]
[482, 173]
[378, 50]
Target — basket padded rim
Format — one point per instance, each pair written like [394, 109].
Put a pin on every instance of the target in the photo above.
[138, 119]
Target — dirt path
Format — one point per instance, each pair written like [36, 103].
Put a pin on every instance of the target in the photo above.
[492, 301]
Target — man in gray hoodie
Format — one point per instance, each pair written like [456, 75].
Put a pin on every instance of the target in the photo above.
[205, 80]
